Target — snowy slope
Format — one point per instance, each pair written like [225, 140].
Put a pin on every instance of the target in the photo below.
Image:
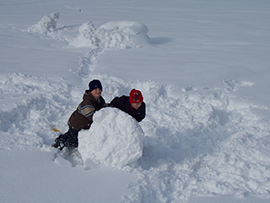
[203, 70]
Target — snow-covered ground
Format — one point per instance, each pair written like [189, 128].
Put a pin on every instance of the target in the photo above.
[202, 67]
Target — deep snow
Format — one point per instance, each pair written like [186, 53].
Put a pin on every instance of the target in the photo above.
[203, 70]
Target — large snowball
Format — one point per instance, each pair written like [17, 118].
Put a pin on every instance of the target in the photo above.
[114, 139]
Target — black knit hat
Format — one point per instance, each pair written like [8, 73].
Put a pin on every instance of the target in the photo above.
[95, 84]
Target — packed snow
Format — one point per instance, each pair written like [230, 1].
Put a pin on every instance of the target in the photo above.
[202, 68]
[112, 35]
[46, 25]
[115, 139]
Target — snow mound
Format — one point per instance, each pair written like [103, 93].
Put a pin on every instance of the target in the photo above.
[111, 35]
[46, 25]
[127, 26]
[114, 139]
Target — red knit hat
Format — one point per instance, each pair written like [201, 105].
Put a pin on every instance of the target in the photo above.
[135, 96]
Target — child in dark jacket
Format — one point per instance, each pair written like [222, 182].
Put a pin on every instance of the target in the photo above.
[133, 105]
[82, 117]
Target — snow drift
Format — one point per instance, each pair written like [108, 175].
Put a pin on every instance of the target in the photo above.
[111, 35]
[46, 25]
[114, 139]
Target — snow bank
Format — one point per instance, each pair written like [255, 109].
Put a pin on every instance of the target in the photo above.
[131, 27]
[111, 35]
[46, 24]
[114, 139]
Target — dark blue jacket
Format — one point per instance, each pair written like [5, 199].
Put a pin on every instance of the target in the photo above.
[123, 104]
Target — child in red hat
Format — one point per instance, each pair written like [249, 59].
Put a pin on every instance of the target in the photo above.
[133, 105]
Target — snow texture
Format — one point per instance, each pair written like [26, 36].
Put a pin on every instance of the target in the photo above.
[46, 25]
[114, 139]
[112, 35]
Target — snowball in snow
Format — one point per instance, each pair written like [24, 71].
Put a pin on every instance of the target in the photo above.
[114, 139]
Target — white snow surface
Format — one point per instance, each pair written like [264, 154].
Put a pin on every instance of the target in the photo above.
[203, 69]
